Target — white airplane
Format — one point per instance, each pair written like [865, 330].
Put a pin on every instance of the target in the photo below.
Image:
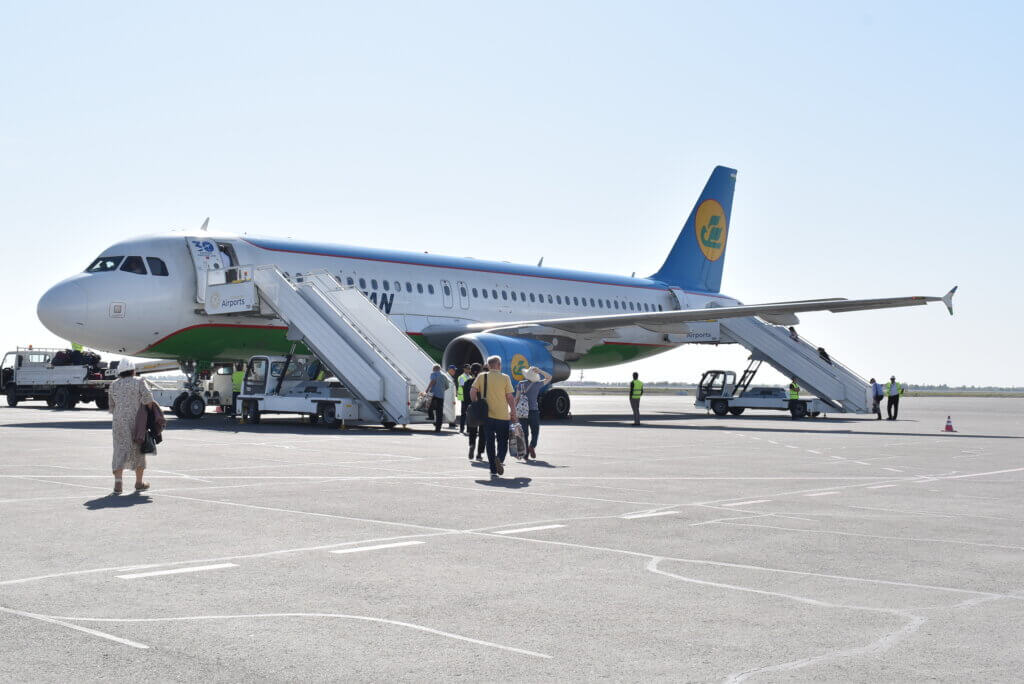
[139, 298]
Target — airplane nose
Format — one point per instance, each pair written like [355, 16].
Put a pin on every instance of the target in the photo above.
[63, 310]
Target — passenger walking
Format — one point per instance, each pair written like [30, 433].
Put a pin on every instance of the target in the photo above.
[452, 373]
[436, 389]
[876, 398]
[476, 432]
[496, 388]
[462, 395]
[636, 390]
[893, 390]
[529, 391]
[127, 394]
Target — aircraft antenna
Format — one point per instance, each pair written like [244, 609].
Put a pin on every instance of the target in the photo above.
[540, 263]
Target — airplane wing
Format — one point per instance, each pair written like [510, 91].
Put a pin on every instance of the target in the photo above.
[661, 320]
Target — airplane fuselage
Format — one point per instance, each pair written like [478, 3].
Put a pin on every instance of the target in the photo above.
[146, 314]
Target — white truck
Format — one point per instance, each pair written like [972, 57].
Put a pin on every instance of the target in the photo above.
[719, 392]
[214, 388]
[291, 384]
[30, 374]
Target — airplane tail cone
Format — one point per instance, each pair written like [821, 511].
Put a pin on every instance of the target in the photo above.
[949, 425]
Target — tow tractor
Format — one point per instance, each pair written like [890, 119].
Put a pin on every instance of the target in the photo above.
[718, 391]
[293, 384]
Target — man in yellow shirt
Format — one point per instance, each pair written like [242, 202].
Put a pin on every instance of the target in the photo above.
[496, 388]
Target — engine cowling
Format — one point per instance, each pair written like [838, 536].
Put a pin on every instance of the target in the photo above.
[517, 354]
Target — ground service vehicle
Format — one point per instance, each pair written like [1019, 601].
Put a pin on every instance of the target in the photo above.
[719, 392]
[292, 384]
[28, 374]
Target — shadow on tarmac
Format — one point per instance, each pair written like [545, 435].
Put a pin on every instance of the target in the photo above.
[510, 483]
[117, 501]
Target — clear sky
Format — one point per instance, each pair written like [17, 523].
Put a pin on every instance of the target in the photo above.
[878, 146]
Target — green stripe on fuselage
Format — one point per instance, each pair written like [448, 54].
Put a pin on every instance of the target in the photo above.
[238, 343]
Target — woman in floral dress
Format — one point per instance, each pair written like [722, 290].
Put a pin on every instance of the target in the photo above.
[127, 394]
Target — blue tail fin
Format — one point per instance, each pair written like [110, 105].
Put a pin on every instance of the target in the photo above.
[696, 260]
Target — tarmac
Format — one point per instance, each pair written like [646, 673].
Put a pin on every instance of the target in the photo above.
[691, 548]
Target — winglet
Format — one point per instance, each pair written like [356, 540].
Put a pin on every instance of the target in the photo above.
[206, 224]
[948, 299]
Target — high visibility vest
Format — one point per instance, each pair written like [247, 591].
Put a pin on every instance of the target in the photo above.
[794, 390]
[462, 381]
[888, 386]
[636, 389]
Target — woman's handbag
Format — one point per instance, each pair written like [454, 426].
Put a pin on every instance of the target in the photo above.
[148, 444]
[478, 409]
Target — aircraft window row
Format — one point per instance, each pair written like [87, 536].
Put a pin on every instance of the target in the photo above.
[132, 264]
[463, 291]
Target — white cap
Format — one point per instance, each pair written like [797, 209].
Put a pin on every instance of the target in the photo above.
[531, 374]
[125, 365]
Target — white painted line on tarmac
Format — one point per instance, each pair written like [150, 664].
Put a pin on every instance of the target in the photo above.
[747, 503]
[893, 470]
[378, 546]
[529, 529]
[179, 571]
[821, 494]
[634, 516]
[812, 451]
[882, 486]
[861, 463]
[77, 628]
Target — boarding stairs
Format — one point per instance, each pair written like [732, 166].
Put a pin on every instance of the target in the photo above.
[354, 339]
[833, 383]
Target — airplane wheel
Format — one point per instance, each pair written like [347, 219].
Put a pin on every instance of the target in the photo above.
[737, 411]
[12, 395]
[555, 404]
[720, 407]
[176, 406]
[193, 407]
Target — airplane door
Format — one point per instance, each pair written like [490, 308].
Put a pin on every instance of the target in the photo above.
[447, 294]
[463, 294]
[206, 258]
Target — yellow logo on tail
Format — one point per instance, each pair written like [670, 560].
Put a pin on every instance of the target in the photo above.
[711, 229]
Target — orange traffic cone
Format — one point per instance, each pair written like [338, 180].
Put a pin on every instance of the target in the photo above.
[949, 425]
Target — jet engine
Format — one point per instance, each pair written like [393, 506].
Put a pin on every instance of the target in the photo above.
[517, 354]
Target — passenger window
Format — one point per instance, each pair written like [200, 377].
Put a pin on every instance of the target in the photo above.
[350, 281]
[133, 264]
[659, 307]
[513, 295]
[591, 301]
[430, 288]
[447, 290]
[608, 303]
[408, 287]
[494, 294]
[373, 283]
[462, 291]
[484, 293]
[504, 295]
[398, 286]
[558, 298]
[102, 264]
[419, 288]
[576, 301]
[531, 298]
[584, 300]
[362, 283]
[475, 293]
[616, 304]
[156, 266]
[550, 300]
[387, 286]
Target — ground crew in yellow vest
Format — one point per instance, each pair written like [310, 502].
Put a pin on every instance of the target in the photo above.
[460, 394]
[893, 390]
[636, 390]
[794, 397]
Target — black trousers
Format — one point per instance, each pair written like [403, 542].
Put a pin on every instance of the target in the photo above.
[462, 416]
[892, 407]
[476, 438]
[634, 403]
[877, 406]
[437, 406]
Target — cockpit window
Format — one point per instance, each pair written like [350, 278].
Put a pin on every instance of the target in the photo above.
[104, 263]
[156, 266]
[133, 264]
